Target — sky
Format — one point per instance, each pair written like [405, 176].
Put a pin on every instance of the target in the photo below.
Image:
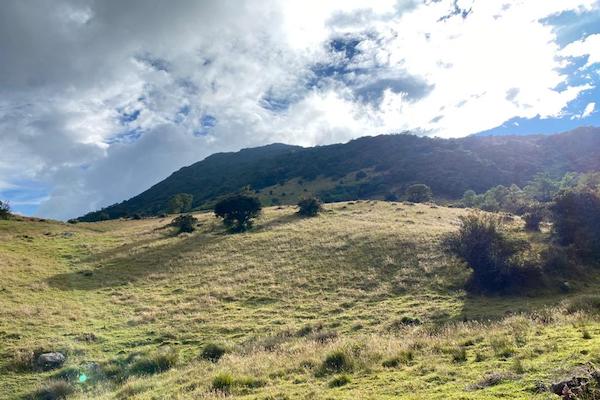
[101, 99]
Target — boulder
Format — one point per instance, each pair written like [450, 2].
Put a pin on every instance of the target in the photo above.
[48, 361]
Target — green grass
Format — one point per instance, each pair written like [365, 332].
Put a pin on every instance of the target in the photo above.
[133, 306]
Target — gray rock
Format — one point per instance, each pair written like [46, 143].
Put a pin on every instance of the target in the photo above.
[48, 361]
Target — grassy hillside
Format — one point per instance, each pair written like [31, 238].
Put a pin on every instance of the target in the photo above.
[370, 168]
[364, 284]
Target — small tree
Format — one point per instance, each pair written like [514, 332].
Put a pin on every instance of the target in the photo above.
[185, 223]
[576, 217]
[309, 207]
[418, 193]
[238, 212]
[4, 210]
[469, 199]
[487, 251]
[533, 217]
[180, 203]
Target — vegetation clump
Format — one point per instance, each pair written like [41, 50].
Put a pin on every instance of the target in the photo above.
[490, 253]
[238, 212]
[54, 390]
[4, 210]
[337, 361]
[155, 363]
[185, 223]
[180, 203]
[213, 352]
[418, 193]
[309, 207]
[576, 217]
[339, 381]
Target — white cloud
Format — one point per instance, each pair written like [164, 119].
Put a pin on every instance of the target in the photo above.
[588, 46]
[101, 99]
[589, 110]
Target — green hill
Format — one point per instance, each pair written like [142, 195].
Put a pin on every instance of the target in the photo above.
[357, 303]
[369, 168]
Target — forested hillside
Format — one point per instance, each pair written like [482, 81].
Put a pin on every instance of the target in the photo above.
[368, 168]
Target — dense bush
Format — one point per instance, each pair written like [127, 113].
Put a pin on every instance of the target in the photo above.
[418, 193]
[337, 361]
[185, 223]
[180, 203]
[4, 210]
[533, 217]
[213, 352]
[576, 218]
[309, 207]
[238, 212]
[489, 252]
[54, 390]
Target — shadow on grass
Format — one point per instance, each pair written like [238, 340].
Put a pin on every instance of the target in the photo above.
[119, 269]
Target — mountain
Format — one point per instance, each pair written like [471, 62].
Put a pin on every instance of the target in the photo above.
[370, 167]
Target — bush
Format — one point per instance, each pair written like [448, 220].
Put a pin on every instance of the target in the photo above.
[223, 382]
[533, 218]
[180, 203]
[418, 193]
[238, 212]
[490, 254]
[54, 390]
[4, 210]
[576, 217]
[335, 362]
[184, 223]
[155, 363]
[339, 381]
[309, 207]
[213, 352]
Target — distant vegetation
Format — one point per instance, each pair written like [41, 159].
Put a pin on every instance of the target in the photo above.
[185, 223]
[309, 207]
[4, 210]
[374, 168]
[238, 212]
[418, 193]
[180, 203]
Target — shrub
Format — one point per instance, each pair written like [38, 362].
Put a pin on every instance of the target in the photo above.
[586, 303]
[185, 223]
[4, 210]
[213, 352]
[418, 193]
[223, 382]
[339, 381]
[238, 212]
[309, 207]
[459, 354]
[180, 203]
[155, 363]
[488, 252]
[54, 390]
[533, 218]
[338, 361]
[576, 217]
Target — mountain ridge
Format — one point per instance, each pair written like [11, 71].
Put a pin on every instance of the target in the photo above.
[369, 167]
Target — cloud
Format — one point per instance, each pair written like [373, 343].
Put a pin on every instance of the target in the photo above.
[101, 99]
[588, 46]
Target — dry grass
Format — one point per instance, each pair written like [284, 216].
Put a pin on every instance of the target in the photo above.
[280, 298]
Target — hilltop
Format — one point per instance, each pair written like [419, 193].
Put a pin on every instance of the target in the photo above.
[369, 168]
[359, 302]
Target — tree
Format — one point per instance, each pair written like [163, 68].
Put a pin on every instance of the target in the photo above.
[309, 207]
[4, 210]
[489, 252]
[418, 193]
[543, 188]
[576, 217]
[470, 199]
[180, 203]
[238, 212]
[185, 223]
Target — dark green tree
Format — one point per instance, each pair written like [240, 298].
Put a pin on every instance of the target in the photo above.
[185, 223]
[418, 193]
[309, 207]
[4, 210]
[180, 203]
[238, 212]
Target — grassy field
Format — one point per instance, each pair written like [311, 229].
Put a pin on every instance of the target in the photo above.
[357, 303]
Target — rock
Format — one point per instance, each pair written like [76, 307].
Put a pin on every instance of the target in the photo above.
[48, 361]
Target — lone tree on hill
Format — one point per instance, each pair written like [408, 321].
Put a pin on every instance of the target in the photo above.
[185, 223]
[4, 210]
[238, 212]
[309, 207]
[180, 203]
[418, 193]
